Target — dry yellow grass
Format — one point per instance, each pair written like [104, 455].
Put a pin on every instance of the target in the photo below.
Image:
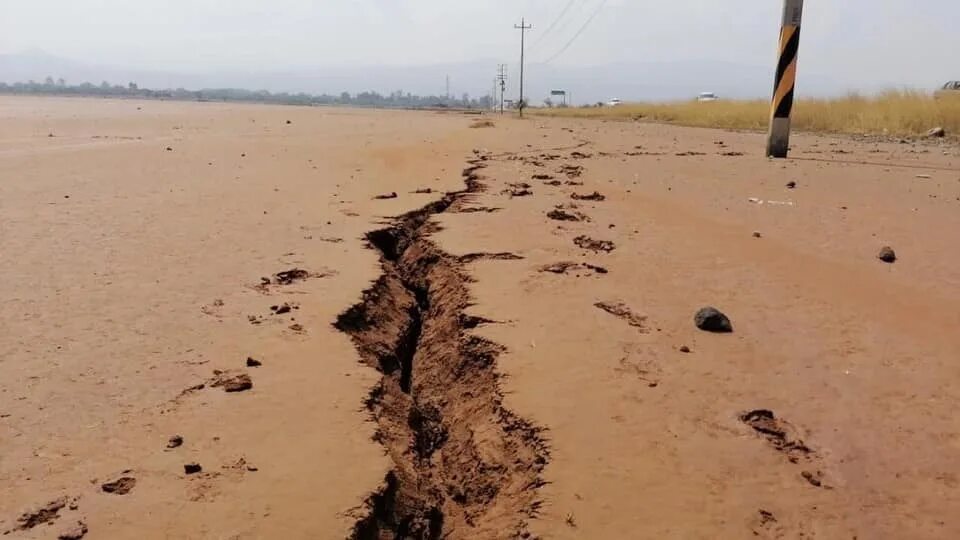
[893, 112]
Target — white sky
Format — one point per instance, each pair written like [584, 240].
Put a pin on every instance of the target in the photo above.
[864, 41]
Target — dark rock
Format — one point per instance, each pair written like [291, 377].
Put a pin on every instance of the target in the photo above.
[192, 468]
[791, 185]
[169, 149]
[175, 442]
[253, 362]
[391, 195]
[757, 235]
[120, 486]
[887, 255]
[712, 320]
[685, 349]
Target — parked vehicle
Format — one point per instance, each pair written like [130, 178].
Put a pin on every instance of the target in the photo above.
[707, 96]
[614, 102]
[951, 89]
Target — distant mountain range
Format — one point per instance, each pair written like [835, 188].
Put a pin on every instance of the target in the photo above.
[638, 81]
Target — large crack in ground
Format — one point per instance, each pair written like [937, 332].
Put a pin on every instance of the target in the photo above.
[463, 465]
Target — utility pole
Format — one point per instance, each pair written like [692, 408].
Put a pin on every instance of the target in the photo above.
[523, 32]
[502, 78]
[448, 88]
[778, 138]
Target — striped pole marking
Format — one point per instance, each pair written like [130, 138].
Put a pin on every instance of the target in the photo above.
[778, 138]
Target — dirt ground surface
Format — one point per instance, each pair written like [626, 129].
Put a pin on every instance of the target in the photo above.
[243, 321]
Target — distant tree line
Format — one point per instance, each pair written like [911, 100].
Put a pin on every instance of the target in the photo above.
[398, 99]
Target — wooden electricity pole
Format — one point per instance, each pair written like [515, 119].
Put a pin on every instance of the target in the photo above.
[778, 138]
[502, 79]
[523, 32]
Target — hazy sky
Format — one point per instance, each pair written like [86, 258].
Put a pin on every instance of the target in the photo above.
[860, 41]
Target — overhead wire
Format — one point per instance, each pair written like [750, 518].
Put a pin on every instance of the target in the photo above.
[554, 24]
[582, 29]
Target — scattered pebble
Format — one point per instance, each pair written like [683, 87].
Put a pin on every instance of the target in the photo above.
[887, 255]
[685, 349]
[756, 234]
[192, 468]
[175, 442]
[253, 362]
[391, 195]
[791, 185]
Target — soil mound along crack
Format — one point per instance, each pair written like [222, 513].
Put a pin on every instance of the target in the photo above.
[463, 465]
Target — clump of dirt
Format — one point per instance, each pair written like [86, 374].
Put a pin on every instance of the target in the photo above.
[595, 196]
[478, 210]
[231, 381]
[572, 171]
[284, 308]
[44, 514]
[563, 215]
[566, 266]
[585, 242]
[471, 257]
[74, 532]
[120, 486]
[518, 189]
[781, 435]
[623, 311]
[542, 177]
[439, 387]
[289, 277]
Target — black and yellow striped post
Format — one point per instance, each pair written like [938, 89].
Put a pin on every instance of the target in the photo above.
[778, 139]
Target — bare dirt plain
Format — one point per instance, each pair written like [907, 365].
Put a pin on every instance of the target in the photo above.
[515, 366]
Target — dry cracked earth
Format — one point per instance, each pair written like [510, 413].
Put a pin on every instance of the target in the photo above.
[239, 321]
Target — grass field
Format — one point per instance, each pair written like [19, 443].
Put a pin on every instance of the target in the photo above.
[894, 112]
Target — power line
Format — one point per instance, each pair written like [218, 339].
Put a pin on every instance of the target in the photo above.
[556, 21]
[579, 32]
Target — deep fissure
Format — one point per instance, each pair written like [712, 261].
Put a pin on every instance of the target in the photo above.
[463, 465]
